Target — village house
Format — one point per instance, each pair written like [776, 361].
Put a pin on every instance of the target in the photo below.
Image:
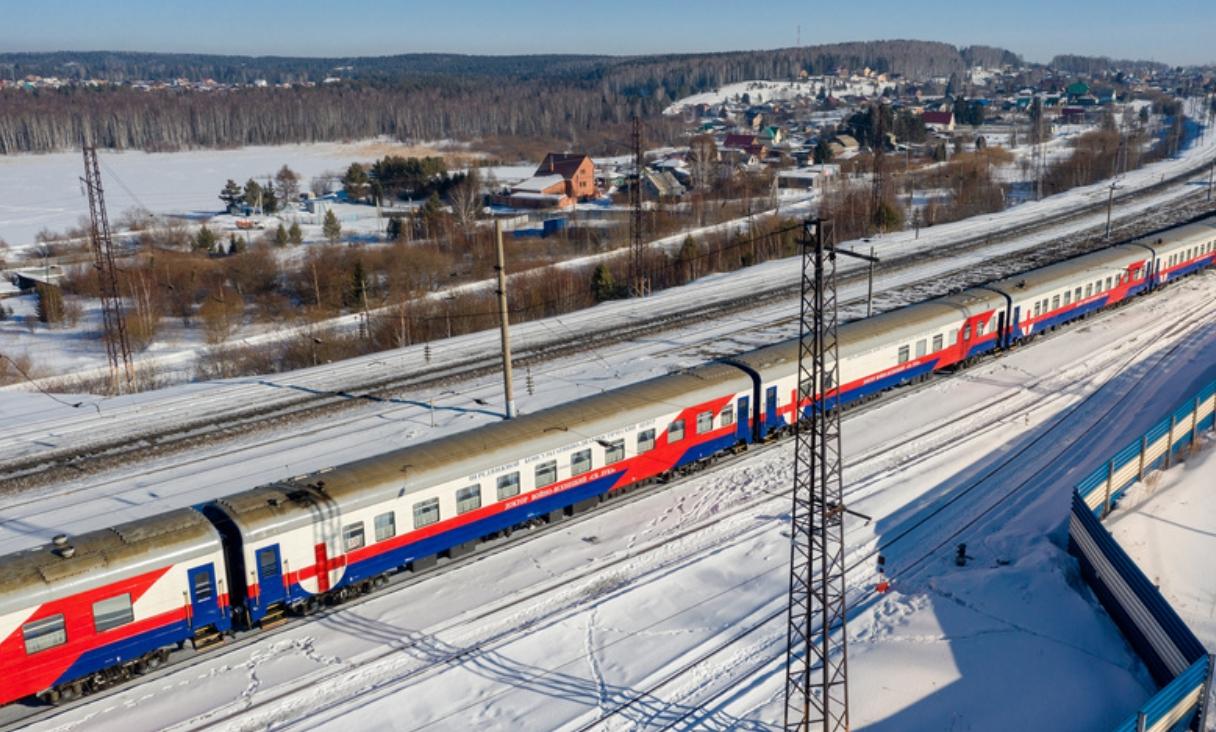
[939, 121]
[562, 180]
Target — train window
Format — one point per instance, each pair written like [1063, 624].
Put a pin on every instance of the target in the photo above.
[1077, 295]
[806, 388]
[980, 327]
[386, 526]
[202, 588]
[426, 513]
[953, 337]
[1055, 303]
[937, 342]
[728, 415]
[508, 486]
[268, 562]
[922, 347]
[580, 462]
[1068, 297]
[614, 452]
[468, 498]
[645, 441]
[675, 431]
[546, 473]
[115, 611]
[1046, 306]
[1038, 309]
[828, 380]
[1109, 282]
[705, 422]
[352, 537]
[45, 633]
[967, 332]
[904, 354]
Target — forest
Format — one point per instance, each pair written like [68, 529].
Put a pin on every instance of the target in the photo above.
[578, 100]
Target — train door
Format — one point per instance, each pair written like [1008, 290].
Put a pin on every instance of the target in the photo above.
[1015, 325]
[1000, 329]
[204, 596]
[270, 577]
[770, 407]
[743, 419]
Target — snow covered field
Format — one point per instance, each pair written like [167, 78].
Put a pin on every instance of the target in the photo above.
[43, 191]
[1168, 526]
[641, 621]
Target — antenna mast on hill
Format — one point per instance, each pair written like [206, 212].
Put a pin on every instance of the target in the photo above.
[113, 322]
[639, 285]
[816, 683]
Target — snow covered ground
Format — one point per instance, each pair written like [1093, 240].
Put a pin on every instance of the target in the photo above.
[759, 90]
[666, 612]
[43, 191]
[1168, 526]
[175, 359]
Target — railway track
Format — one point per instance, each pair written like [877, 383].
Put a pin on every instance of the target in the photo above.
[92, 453]
[694, 710]
[433, 655]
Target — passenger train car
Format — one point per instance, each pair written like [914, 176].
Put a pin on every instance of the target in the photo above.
[82, 613]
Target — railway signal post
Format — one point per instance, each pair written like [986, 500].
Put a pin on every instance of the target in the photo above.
[816, 687]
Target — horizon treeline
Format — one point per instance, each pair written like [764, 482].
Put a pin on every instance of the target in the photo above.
[572, 99]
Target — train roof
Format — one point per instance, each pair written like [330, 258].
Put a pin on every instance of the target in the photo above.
[1202, 230]
[284, 504]
[1103, 263]
[35, 576]
[866, 334]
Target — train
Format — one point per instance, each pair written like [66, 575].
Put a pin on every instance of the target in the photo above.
[86, 612]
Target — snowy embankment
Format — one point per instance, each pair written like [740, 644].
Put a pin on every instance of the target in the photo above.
[1168, 526]
[641, 624]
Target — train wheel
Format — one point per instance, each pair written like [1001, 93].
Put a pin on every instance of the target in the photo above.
[69, 693]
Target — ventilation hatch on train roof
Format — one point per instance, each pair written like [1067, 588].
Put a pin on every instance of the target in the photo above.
[58, 568]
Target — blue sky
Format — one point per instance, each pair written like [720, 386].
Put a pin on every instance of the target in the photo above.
[1037, 29]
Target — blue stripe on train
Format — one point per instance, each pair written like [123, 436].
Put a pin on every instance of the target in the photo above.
[126, 650]
[390, 560]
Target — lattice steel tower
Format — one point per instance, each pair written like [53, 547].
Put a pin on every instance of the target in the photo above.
[816, 686]
[639, 283]
[114, 324]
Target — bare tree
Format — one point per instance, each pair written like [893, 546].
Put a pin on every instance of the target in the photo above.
[466, 199]
[287, 181]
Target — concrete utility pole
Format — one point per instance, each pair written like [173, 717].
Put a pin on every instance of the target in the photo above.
[1110, 202]
[505, 319]
[870, 286]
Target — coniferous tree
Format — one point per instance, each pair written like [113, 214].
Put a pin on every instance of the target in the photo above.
[294, 234]
[355, 182]
[253, 194]
[280, 236]
[603, 286]
[204, 240]
[331, 228]
[270, 202]
[231, 196]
